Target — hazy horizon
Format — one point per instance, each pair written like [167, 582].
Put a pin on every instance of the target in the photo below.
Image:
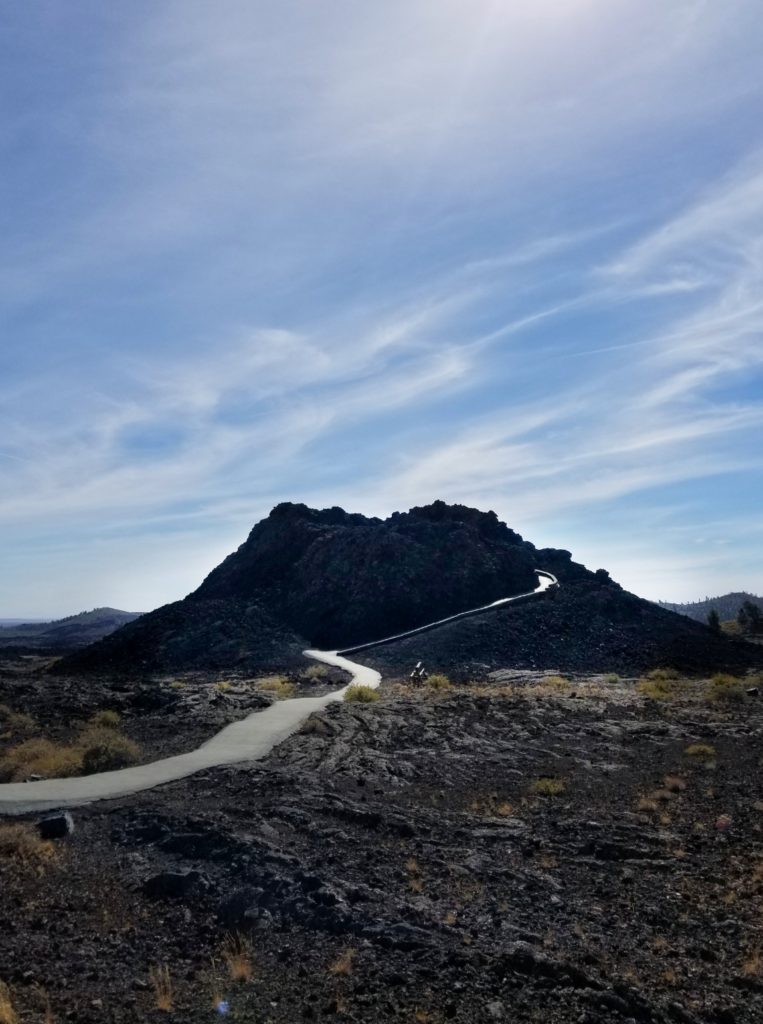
[373, 255]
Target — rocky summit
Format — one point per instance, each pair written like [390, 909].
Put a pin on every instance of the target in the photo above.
[333, 579]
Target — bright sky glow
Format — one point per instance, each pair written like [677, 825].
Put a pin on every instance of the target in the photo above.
[372, 255]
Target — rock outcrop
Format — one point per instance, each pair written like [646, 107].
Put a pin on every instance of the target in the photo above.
[334, 579]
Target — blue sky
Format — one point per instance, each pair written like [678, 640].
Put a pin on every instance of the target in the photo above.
[371, 255]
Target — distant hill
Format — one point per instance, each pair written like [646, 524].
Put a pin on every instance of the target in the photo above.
[727, 606]
[332, 579]
[65, 634]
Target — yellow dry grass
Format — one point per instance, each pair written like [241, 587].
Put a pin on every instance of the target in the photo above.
[7, 1013]
[161, 982]
[237, 954]
[343, 964]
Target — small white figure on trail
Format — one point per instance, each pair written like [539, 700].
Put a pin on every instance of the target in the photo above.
[419, 673]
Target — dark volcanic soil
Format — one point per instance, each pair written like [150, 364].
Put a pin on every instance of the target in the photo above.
[399, 861]
[588, 625]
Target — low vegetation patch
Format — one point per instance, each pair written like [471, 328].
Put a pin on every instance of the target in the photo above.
[548, 787]
[360, 694]
[343, 964]
[40, 757]
[438, 681]
[314, 725]
[700, 750]
[662, 684]
[315, 672]
[14, 723]
[726, 688]
[281, 687]
[105, 720]
[555, 683]
[20, 843]
[161, 982]
[103, 750]
[98, 748]
[7, 1012]
[237, 953]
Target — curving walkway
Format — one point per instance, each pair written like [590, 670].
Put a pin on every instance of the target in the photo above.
[250, 739]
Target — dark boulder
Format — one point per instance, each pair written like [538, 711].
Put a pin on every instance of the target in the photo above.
[56, 826]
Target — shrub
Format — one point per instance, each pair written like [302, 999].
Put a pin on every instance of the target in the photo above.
[16, 722]
[727, 688]
[104, 750]
[663, 674]
[612, 678]
[237, 953]
[661, 684]
[548, 787]
[7, 1013]
[674, 783]
[555, 682]
[105, 719]
[438, 681]
[343, 964]
[314, 725]
[40, 757]
[361, 694]
[700, 750]
[647, 803]
[161, 982]
[279, 686]
[21, 843]
[316, 672]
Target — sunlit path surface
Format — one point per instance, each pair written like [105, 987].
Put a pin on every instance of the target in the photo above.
[248, 740]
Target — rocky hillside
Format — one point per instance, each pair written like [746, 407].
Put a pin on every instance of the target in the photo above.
[65, 634]
[329, 578]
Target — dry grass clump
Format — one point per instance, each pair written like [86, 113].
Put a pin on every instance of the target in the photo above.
[105, 719]
[703, 750]
[314, 725]
[279, 686]
[726, 688]
[20, 843]
[548, 787]
[674, 783]
[315, 672]
[7, 1013]
[161, 982]
[752, 967]
[13, 723]
[343, 963]
[39, 757]
[555, 683]
[359, 694]
[237, 954]
[491, 807]
[438, 681]
[415, 880]
[648, 805]
[99, 747]
[661, 684]
[104, 749]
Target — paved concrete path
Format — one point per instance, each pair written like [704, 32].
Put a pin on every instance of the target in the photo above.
[248, 740]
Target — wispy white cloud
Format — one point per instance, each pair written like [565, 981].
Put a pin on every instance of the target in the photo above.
[507, 254]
